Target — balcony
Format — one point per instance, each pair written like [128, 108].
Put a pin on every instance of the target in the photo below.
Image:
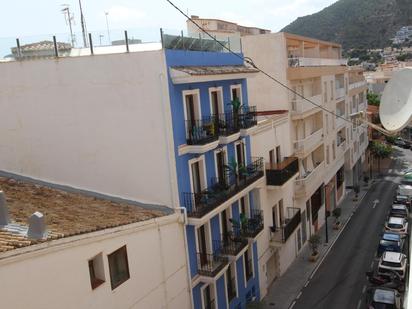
[362, 106]
[231, 244]
[340, 93]
[200, 204]
[278, 174]
[254, 224]
[283, 233]
[305, 146]
[358, 84]
[316, 62]
[307, 184]
[302, 108]
[209, 265]
[201, 132]
[247, 120]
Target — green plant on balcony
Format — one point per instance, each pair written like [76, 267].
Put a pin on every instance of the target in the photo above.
[236, 107]
[236, 169]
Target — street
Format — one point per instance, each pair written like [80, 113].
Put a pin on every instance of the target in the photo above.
[340, 281]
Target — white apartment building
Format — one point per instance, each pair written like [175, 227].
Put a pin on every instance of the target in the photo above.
[62, 248]
[315, 154]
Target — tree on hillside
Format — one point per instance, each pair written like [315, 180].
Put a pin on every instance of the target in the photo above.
[380, 151]
[373, 99]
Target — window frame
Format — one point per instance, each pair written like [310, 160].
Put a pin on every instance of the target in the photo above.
[110, 258]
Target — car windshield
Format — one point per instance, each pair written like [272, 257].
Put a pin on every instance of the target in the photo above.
[376, 305]
[395, 226]
[388, 243]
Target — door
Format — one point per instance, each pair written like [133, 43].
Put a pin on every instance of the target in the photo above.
[190, 110]
[207, 298]
[197, 185]
[240, 154]
[278, 155]
[225, 227]
[220, 162]
[215, 103]
[274, 218]
[281, 217]
[272, 157]
[299, 240]
[201, 238]
[304, 231]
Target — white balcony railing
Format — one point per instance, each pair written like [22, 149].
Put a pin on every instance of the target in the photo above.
[315, 62]
[309, 143]
[307, 184]
[357, 85]
[300, 106]
[340, 93]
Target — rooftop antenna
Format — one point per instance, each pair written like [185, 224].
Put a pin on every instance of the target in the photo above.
[69, 17]
[83, 23]
[107, 26]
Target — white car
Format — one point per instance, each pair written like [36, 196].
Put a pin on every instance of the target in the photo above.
[397, 225]
[400, 211]
[392, 261]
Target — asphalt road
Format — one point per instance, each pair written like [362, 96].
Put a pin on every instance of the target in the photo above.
[340, 281]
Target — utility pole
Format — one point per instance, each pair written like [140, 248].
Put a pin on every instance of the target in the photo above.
[83, 23]
[68, 17]
[107, 26]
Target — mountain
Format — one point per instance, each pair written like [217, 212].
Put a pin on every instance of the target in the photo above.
[356, 23]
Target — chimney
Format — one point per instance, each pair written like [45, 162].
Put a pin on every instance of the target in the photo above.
[4, 212]
[37, 226]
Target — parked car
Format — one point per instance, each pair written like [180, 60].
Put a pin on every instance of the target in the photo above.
[399, 210]
[397, 225]
[401, 199]
[390, 242]
[401, 143]
[383, 298]
[392, 261]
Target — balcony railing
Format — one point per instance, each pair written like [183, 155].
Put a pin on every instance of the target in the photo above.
[300, 105]
[289, 225]
[210, 305]
[231, 244]
[199, 204]
[210, 265]
[358, 84]
[254, 224]
[315, 62]
[248, 117]
[308, 143]
[201, 132]
[228, 124]
[279, 174]
[310, 181]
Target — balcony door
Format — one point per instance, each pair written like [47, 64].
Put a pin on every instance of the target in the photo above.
[208, 300]
[216, 103]
[220, 167]
[240, 154]
[225, 216]
[192, 110]
[278, 155]
[196, 180]
[203, 243]
[272, 157]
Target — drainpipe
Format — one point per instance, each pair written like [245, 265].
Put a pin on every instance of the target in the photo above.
[189, 281]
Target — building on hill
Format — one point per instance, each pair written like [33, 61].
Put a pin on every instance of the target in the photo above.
[66, 248]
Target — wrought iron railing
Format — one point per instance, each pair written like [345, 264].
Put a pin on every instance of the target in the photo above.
[231, 243]
[253, 225]
[291, 224]
[228, 124]
[201, 132]
[210, 264]
[199, 204]
[247, 117]
[278, 174]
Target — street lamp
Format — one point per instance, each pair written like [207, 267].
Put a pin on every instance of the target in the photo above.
[107, 26]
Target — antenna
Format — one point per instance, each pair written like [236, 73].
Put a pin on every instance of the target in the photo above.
[83, 23]
[107, 26]
[69, 18]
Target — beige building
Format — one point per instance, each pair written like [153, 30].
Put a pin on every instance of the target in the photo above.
[312, 154]
[63, 248]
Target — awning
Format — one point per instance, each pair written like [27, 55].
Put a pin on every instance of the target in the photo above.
[195, 74]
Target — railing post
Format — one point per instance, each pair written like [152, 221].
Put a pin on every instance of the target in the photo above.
[91, 44]
[126, 40]
[161, 37]
[183, 40]
[18, 48]
[56, 52]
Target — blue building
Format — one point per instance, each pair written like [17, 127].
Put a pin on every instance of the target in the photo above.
[218, 180]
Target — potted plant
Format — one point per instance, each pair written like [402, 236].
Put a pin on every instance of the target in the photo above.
[236, 107]
[336, 214]
[357, 190]
[237, 170]
[314, 242]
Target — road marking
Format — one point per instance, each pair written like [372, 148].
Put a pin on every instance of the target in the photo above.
[359, 304]
[373, 262]
[292, 304]
[375, 202]
[299, 295]
[306, 284]
[364, 289]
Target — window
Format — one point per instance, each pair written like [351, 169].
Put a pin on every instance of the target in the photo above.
[333, 150]
[325, 94]
[247, 259]
[96, 271]
[327, 154]
[327, 123]
[331, 90]
[216, 101]
[236, 92]
[272, 157]
[119, 267]
[231, 282]
[208, 297]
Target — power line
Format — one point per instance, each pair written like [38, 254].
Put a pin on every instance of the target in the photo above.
[250, 61]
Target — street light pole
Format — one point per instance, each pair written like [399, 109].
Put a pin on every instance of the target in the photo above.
[107, 26]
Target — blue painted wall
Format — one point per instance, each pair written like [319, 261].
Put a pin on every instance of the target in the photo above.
[221, 293]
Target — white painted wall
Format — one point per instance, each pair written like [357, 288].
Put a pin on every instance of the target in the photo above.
[58, 275]
[99, 123]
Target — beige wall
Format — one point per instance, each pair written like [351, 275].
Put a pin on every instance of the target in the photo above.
[83, 122]
[58, 275]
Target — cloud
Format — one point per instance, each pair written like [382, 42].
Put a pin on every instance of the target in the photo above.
[123, 14]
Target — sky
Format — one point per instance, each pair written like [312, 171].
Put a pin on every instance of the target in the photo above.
[21, 18]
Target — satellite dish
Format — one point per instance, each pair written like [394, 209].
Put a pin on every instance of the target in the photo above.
[395, 110]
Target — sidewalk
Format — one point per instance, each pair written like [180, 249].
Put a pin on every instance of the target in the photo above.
[284, 290]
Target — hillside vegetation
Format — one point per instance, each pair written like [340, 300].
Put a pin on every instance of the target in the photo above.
[356, 23]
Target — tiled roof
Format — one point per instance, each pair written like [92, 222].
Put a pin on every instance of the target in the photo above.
[215, 70]
[66, 214]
